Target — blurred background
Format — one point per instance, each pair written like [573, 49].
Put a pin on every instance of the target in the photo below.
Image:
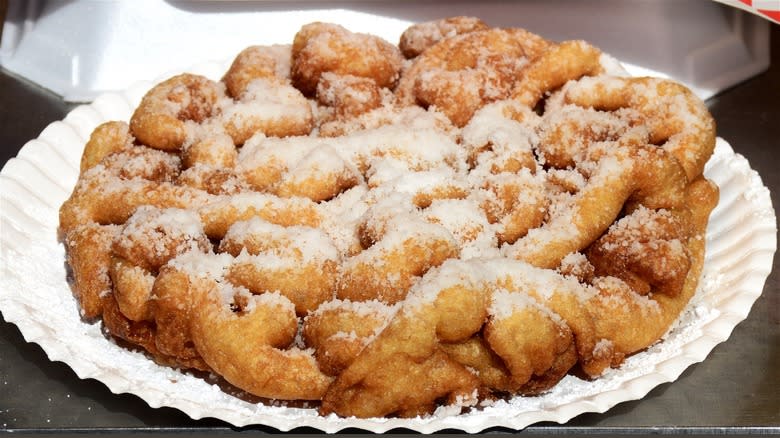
[81, 48]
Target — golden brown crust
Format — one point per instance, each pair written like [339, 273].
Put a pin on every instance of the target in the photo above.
[89, 258]
[348, 96]
[339, 333]
[419, 37]
[674, 116]
[159, 119]
[256, 62]
[259, 366]
[489, 61]
[558, 64]
[106, 139]
[523, 342]
[322, 47]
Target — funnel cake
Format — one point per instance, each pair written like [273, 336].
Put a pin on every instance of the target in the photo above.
[387, 230]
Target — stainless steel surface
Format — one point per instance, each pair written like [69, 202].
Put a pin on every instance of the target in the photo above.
[736, 389]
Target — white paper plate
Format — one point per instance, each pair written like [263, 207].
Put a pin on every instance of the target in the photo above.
[34, 295]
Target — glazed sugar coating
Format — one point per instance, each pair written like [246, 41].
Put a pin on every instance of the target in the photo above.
[331, 222]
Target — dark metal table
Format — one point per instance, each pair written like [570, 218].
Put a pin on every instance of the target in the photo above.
[735, 390]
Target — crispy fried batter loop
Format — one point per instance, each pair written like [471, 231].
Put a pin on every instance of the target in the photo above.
[460, 74]
[329, 222]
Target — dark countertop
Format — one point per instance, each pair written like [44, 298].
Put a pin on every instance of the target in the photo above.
[736, 389]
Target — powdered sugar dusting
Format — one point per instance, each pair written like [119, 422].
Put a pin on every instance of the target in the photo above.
[385, 152]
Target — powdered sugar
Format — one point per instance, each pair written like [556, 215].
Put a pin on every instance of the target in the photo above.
[345, 213]
[195, 264]
[304, 244]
